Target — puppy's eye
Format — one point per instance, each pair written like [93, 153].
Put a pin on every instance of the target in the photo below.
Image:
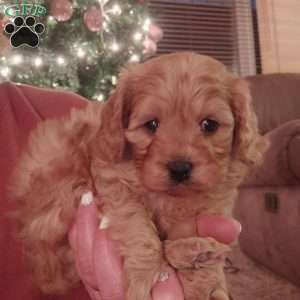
[152, 125]
[209, 126]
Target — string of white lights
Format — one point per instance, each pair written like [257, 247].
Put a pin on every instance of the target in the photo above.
[11, 60]
[80, 51]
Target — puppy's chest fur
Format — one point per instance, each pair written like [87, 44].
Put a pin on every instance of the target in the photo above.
[175, 217]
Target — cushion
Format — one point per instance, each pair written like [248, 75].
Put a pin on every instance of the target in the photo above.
[281, 165]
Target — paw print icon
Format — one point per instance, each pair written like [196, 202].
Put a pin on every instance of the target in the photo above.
[24, 32]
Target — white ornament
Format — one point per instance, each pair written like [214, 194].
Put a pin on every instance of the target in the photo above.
[16, 59]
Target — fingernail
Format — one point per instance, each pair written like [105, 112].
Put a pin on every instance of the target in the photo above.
[87, 199]
[104, 222]
[163, 276]
[238, 226]
[218, 294]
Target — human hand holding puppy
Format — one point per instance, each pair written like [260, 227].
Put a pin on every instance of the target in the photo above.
[100, 267]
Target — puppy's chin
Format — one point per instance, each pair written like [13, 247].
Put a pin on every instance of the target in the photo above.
[176, 190]
[182, 190]
[162, 184]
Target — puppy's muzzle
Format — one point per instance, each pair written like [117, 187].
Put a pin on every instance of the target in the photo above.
[179, 170]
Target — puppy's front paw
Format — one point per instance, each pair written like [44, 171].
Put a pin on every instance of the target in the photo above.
[199, 263]
[140, 283]
[195, 252]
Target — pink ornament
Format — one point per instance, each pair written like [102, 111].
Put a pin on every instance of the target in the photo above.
[4, 44]
[93, 19]
[150, 46]
[3, 22]
[61, 10]
[155, 33]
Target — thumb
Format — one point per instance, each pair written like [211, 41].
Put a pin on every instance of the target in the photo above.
[82, 237]
[167, 287]
[224, 229]
[108, 267]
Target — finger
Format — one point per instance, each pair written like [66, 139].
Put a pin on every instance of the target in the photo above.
[167, 287]
[224, 229]
[73, 236]
[108, 267]
[82, 237]
[93, 293]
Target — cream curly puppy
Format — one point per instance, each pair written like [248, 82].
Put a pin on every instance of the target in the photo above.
[173, 142]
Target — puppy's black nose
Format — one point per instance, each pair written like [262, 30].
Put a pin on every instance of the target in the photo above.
[180, 170]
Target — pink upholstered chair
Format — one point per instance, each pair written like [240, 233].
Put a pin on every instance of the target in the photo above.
[268, 205]
[21, 108]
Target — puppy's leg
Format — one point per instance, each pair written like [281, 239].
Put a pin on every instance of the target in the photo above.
[140, 247]
[199, 263]
[131, 227]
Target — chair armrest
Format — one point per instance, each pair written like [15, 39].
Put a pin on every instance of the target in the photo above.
[281, 165]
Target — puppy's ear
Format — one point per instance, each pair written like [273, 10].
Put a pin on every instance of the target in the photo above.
[115, 119]
[248, 145]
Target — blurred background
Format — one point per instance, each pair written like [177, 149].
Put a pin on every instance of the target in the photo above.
[86, 42]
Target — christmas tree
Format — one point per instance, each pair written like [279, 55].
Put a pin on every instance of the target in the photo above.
[83, 47]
